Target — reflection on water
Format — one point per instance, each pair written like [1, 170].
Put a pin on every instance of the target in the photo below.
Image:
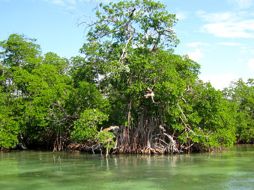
[46, 170]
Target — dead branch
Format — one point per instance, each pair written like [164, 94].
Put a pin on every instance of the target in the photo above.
[149, 94]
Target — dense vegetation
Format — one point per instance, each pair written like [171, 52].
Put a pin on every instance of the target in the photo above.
[127, 93]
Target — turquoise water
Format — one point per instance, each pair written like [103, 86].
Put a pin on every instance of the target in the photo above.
[232, 170]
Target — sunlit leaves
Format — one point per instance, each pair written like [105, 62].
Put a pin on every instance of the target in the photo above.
[20, 51]
[86, 127]
[242, 96]
[9, 128]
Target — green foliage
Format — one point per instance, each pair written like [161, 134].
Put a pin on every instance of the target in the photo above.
[86, 96]
[129, 45]
[9, 128]
[146, 22]
[106, 138]
[86, 127]
[60, 63]
[20, 51]
[122, 27]
[241, 94]
[37, 87]
[210, 116]
[41, 96]
[9, 131]
[166, 73]
[81, 70]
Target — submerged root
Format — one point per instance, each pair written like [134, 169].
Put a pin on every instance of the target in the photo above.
[89, 147]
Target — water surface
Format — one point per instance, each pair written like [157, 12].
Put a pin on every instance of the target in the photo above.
[231, 170]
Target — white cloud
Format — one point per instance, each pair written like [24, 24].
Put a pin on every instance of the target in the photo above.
[69, 4]
[72, 4]
[196, 44]
[196, 55]
[230, 44]
[228, 24]
[213, 17]
[196, 50]
[242, 4]
[231, 29]
[219, 81]
[250, 64]
[58, 2]
[181, 15]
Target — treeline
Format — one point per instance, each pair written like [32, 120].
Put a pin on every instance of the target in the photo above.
[127, 93]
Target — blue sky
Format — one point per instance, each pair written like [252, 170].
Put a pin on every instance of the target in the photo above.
[218, 34]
